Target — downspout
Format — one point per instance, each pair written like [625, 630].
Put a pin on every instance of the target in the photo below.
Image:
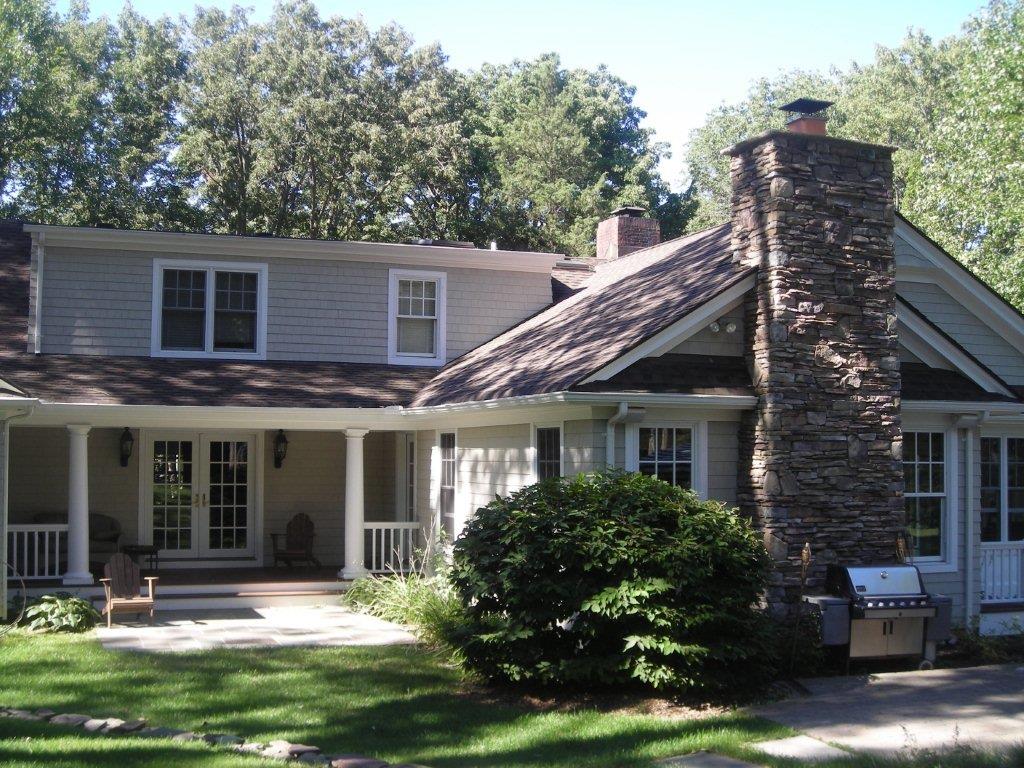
[969, 423]
[609, 446]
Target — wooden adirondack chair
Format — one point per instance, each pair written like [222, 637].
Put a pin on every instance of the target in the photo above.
[123, 588]
[297, 543]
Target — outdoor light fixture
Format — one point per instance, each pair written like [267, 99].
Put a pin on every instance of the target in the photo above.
[715, 327]
[280, 448]
[126, 444]
[730, 327]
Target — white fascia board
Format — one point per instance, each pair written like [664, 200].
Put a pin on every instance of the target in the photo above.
[679, 331]
[949, 351]
[180, 243]
[970, 291]
[958, 406]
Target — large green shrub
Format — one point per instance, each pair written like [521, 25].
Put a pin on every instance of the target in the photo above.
[613, 578]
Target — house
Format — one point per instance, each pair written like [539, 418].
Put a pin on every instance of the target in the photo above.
[817, 361]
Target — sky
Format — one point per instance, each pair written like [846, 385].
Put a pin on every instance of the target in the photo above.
[683, 57]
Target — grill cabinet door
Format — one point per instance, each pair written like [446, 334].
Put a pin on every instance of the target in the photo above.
[905, 637]
[868, 638]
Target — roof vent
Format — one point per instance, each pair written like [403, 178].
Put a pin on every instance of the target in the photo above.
[444, 243]
[807, 116]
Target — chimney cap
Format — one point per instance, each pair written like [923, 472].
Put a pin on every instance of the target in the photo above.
[802, 107]
[629, 210]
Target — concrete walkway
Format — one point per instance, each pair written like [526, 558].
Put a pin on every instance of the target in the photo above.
[253, 628]
[900, 712]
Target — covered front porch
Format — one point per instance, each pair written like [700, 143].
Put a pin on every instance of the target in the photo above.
[208, 499]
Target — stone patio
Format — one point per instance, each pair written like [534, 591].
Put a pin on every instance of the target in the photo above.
[253, 628]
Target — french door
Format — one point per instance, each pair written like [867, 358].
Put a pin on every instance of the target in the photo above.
[200, 494]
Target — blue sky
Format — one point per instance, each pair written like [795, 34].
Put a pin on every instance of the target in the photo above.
[683, 57]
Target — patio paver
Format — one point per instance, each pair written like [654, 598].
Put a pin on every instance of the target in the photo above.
[253, 628]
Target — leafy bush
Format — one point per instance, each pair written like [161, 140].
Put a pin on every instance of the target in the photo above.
[424, 600]
[971, 647]
[613, 578]
[61, 613]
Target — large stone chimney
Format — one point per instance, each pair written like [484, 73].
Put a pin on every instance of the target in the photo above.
[821, 454]
[624, 231]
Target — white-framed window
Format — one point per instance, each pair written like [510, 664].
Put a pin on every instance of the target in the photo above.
[209, 309]
[674, 451]
[446, 502]
[1002, 489]
[547, 447]
[925, 493]
[416, 317]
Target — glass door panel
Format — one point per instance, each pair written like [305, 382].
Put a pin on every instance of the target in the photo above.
[174, 497]
[227, 504]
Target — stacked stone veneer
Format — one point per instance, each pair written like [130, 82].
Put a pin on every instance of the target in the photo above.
[820, 456]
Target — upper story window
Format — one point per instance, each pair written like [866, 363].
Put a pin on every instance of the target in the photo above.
[416, 317]
[209, 309]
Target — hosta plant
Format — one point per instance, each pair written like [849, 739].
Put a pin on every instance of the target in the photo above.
[60, 613]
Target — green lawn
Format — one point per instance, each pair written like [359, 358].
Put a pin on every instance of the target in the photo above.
[399, 704]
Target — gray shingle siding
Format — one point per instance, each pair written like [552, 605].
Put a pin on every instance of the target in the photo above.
[967, 329]
[99, 302]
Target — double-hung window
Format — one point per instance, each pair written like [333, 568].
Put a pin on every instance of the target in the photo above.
[447, 500]
[1002, 489]
[925, 498]
[209, 310]
[549, 452]
[667, 453]
[416, 317]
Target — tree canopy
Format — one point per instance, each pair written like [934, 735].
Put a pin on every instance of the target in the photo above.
[954, 109]
[310, 126]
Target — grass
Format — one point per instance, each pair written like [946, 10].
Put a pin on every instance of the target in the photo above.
[396, 703]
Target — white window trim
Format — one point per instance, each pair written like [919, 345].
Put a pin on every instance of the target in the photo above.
[405, 448]
[699, 464]
[458, 518]
[159, 265]
[534, 456]
[946, 563]
[440, 341]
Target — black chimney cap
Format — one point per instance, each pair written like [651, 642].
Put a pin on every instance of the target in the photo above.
[806, 106]
[628, 210]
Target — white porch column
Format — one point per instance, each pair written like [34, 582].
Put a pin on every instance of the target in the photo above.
[354, 513]
[78, 506]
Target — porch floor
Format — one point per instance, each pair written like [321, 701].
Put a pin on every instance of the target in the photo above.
[214, 576]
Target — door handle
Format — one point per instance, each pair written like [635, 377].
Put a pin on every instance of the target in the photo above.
[204, 499]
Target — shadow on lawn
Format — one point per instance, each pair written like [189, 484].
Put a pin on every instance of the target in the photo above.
[397, 703]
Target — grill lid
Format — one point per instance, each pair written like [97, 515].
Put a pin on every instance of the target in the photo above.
[885, 580]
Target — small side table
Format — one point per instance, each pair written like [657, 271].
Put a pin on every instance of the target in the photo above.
[138, 551]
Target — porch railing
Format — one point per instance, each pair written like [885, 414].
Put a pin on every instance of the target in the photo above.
[1002, 572]
[37, 551]
[391, 546]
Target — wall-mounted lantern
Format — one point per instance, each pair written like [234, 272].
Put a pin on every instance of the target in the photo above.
[126, 444]
[280, 448]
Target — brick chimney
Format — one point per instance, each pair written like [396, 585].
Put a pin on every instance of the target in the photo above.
[625, 231]
[821, 454]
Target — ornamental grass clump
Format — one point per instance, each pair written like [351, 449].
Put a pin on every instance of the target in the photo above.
[614, 579]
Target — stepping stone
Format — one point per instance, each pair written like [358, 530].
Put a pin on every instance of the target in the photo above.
[23, 714]
[113, 725]
[133, 725]
[73, 720]
[94, 724]
[250, 746]
[184, 736]
[355, 761]
[703, 759]
[46, 714]
[157, 732]
[222, 739]
[801, 748]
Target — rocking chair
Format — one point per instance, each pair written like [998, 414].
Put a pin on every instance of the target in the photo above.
[297, 542]
[122, 588]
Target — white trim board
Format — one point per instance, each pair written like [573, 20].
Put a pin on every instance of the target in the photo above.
[440, 280]
[679, 331]
[293, 248]
[940, 345]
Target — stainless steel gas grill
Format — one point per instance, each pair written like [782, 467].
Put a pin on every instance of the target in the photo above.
[881, 611]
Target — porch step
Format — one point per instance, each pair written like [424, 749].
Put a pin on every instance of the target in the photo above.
[192, 597]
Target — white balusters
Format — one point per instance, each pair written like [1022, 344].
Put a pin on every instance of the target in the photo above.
[36, 551]
[390, 546]
[1002, 573]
